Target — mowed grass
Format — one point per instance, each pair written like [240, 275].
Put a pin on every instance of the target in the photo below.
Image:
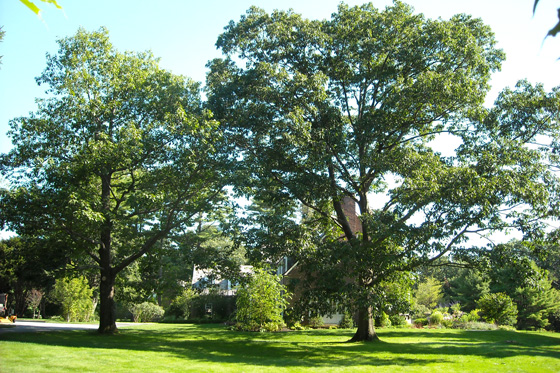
[213, 348]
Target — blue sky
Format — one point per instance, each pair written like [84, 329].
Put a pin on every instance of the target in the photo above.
[183, 34]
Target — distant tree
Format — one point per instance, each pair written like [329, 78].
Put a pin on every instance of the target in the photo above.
[261, 301]
[33, 299]
[75, 297]
[28, 263]
[536, 303]
[467, 287]
[429, 293]
[119, 156]
[498, 308]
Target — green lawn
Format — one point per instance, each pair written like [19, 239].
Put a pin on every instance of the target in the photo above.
[213, 348]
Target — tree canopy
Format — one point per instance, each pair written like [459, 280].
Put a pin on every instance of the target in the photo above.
[120, 155]
[354, 107]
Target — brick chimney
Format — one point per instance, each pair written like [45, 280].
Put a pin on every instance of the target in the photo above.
[349, 208]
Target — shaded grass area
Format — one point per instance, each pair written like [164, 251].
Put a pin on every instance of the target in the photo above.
[179, 348]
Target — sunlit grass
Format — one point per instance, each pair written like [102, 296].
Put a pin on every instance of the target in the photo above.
[213, 348]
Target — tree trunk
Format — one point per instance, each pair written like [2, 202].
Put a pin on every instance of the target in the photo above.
[107, 309]
[366, 330]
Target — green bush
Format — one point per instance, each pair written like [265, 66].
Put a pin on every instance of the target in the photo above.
[75, 297]
[498, 308]
[507, 328]
[222, 307]
[347, 321]
[421, 321]
[477, 325]
[436, 318]
[447, 323]
[473, 315]
[316, 322]
[297, 326]
[382, 321]
[179, 309]
[260, 302]
[398, 320]
[146, 312]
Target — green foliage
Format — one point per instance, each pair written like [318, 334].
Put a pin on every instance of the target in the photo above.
[323, 110]
[146, 312]
[498, 308]
[428, 293]
[422, 321]
[477, 325]
[347, 321]
[436, 318]
[315, 322]
[556, 29]
[120, 155]
[261, 301]
[398, 320]
[536, 303]
[474, 315]
[213, 307]
[468, 286]
[179, 309]
[35, 9]
[382, 320]
[75, 297]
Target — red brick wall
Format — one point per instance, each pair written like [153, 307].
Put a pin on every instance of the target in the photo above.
[349, 208]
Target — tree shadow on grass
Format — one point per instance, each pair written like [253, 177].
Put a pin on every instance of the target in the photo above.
[210, 343]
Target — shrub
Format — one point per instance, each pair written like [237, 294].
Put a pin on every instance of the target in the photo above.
[260, 302]
[398, 320]
[222, 307]
[422, 321]
[447, 323]
[297, 326]
[75, 297]
[382, 320]
[146, 312]
[474, 315]
[316, 322]
[498, 308]
[436, 318]
[507, 328]
[477, 325]
[179, 309]
[347, 321]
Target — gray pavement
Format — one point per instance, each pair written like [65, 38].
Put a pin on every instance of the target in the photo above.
[38, 326]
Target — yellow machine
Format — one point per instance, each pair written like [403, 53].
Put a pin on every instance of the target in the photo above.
[4, 315]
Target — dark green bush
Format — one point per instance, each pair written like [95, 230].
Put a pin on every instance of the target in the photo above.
[347, 321]
[422, 321]
[398, 320]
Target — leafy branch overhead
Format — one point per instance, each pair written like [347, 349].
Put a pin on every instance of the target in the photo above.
[35, 9]
[556, 29]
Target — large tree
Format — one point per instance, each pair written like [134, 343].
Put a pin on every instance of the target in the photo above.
[352, 107]
[118, 156]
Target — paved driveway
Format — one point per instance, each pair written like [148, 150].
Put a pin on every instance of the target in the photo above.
[38, 326]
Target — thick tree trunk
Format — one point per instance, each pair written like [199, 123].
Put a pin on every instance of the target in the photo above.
[107, 309]
[366, 330]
